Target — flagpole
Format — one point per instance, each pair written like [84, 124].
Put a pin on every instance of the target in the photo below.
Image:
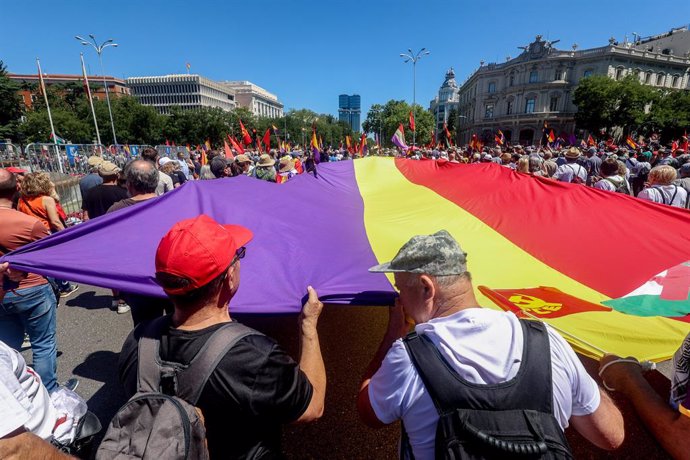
[50, 116]
[88, 93]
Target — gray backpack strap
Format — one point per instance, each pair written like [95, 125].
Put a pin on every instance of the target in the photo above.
[149, 366]
[192, 379]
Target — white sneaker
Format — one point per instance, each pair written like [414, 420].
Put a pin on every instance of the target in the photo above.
[122, 308]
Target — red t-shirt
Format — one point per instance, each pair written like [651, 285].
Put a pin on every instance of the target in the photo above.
[16, 230]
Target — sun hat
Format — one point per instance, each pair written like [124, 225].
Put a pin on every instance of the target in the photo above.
[266, 160]
[199, 250]
[572, 152]
[108, 168]
[287, 164]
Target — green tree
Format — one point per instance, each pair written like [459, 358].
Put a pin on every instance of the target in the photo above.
[10, 106]
[595, 98]
[394, 113]
[604, 103]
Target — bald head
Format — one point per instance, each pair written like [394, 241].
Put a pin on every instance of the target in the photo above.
[142, 177]
[8, 184]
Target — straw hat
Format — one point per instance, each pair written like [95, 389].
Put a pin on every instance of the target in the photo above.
[266, 160]
[287, 164]
[573, 152]
[94, 160]
[108, 168]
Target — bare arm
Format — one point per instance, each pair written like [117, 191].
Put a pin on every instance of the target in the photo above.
[604, 427]
[670, 428]
[21, 445]
[311, 361]
[53, 217]
[397, 327]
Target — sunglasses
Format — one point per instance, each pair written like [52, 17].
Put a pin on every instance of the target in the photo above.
[239, 254]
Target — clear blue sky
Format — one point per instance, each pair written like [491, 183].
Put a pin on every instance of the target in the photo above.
[309, 51]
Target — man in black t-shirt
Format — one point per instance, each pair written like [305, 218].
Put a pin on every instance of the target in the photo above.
[101, 197]
[256, 387]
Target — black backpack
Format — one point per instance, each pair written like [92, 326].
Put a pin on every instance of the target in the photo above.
[161, 421]
[505, 420]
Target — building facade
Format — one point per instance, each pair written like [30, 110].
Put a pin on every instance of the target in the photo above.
[448, 99]
[521, 94]
[350, 110]
[186, 91]
[255, 98]
[30, 82]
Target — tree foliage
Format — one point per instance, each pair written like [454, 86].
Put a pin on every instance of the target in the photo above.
[604, 103]
[10, 104]
[386, 119]
[139, 124]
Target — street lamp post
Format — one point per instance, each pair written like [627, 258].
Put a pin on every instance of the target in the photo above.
[99, 50]
[414, 57]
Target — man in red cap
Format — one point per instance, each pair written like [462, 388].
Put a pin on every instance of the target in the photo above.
[256, 387]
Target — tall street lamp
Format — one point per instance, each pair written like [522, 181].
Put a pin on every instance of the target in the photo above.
[414, 57]
[99, 49]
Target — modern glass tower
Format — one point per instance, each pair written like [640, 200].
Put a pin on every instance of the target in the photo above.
[350, 109]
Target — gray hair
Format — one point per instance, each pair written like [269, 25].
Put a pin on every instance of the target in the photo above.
[141, 176]
[205, 173]
[413, 279]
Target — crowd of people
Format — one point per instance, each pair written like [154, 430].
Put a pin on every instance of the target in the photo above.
[255, 386]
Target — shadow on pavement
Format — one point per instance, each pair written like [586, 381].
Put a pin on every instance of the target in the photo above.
[90, 301]
[101, 366]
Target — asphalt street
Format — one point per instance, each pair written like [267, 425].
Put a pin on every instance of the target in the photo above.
[90, 335]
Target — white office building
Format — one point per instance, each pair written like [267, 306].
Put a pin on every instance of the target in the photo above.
[255, 98]
[185, 91]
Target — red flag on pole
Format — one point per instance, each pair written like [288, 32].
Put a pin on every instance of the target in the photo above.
[362, 144]
[412, 125]
[236, 145]
[246, 138]
[228, 152]
[267, 140]
[590, 141]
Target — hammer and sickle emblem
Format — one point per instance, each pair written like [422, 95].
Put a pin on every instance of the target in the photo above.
[534, 305]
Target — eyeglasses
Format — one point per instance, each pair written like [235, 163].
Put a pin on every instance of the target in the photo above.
[239, 254]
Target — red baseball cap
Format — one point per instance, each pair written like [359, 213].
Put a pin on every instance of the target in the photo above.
[15, 170]
[199, 250]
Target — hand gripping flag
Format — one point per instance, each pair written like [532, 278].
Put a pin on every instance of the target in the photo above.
[399, 138]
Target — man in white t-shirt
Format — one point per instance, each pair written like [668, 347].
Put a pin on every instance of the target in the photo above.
[483, 346]
[571, 171]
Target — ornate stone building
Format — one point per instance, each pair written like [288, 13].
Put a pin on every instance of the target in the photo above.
[447, 100]
[537, 86]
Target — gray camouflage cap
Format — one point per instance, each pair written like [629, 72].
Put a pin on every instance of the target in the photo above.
[438, 254]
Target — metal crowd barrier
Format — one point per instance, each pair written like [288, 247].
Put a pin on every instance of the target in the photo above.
[171, 151]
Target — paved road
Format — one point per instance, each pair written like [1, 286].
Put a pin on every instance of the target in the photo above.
[90, 336]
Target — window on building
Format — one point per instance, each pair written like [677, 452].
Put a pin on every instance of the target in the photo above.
[588, 73]
[509, 108]
[530, 104]
[511, 79]
[492, 87]
[660, 79]
[560, 75]
[489, 111]
[676, 81]
[553, 104]
[533, 76]
[619, 73]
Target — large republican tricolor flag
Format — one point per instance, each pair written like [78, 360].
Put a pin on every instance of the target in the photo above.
[607, 270]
